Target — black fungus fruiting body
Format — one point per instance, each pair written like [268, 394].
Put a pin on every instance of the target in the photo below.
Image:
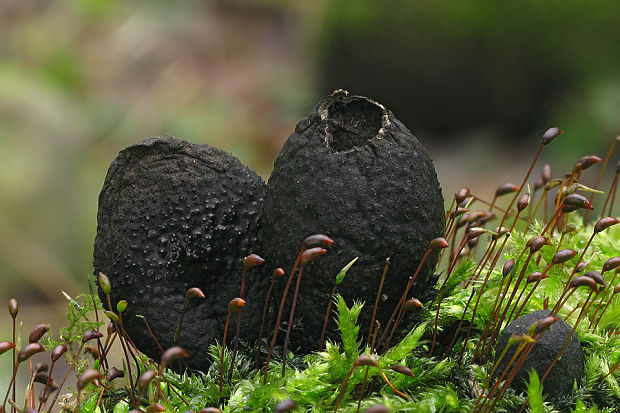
[568, 368]
[175, 215]
[352, 171]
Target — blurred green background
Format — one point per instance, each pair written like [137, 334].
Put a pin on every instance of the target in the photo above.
[477, 82]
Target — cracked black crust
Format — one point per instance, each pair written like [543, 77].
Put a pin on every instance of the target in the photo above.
[175, 215]
[376, 200]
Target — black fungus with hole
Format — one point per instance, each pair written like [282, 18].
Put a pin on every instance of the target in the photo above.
[352, 171]
[175, 215]
[569, 367]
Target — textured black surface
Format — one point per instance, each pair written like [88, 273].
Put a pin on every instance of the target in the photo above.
[175, 215]
[354, 172]
[568, 368]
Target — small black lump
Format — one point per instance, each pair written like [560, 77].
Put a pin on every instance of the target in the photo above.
[568, 368]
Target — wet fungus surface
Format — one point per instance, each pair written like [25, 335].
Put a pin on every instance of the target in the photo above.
[175, 215]
[353, 171]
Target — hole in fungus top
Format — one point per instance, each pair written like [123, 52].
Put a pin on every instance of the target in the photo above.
[352, 123]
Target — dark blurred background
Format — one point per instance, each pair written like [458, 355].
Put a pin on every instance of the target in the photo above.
[477, 82]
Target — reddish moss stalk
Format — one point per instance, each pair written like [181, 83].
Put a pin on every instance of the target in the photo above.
[610, 152]
[374, 310]
[458, 328]
[326, 319]
[402, 299]
[277, 273]
[279, 318]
